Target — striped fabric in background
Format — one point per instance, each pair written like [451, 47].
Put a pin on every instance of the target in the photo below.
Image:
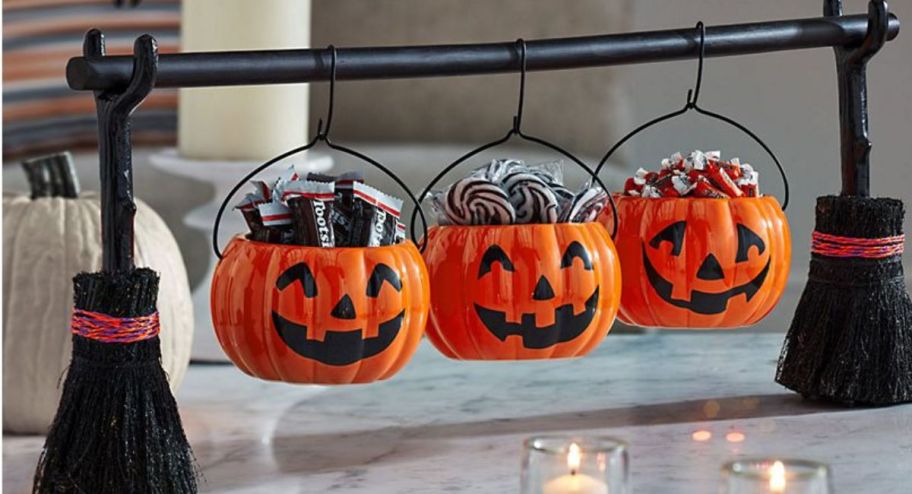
[40, 113]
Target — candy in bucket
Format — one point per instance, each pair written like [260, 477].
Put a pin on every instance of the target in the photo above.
[697, 175]
[699, 245]
[321, 211]
[325, 288]
[507, 191]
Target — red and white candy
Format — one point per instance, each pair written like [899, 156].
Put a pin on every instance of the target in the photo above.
[698, 174]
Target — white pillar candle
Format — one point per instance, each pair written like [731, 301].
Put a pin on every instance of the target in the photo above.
[251, 122]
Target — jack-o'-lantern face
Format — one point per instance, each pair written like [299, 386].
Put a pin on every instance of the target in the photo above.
[341, 344]
[670, 242]
[700, 263]
[521, 291]
[564, 325]
[319, 315]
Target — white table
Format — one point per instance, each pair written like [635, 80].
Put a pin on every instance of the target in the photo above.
[445, 426]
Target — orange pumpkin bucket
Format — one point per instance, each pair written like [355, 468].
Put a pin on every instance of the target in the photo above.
[517, 292]
[520, 291]
[701, 263]
[320, 315]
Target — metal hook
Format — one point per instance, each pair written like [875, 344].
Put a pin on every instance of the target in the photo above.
[323, 132]
[694, 94]
[516, 131]
[322, 135]
[517, 119]
[878, 28]
[876, 36]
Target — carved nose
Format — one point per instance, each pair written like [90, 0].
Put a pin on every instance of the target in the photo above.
[543, 290]
[710, 269]
[345, 309]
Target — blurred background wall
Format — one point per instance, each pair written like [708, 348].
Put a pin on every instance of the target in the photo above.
[581, 109]
[40, 113]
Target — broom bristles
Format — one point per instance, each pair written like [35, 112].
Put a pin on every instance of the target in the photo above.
[117, 429]
[851, 338]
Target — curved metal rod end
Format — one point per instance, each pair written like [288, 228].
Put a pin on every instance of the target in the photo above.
[93, 45]
[878, 30]
[832, 8]
[146, 48]
[145, 70]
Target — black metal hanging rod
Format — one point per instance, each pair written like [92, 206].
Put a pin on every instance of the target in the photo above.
[296, 66]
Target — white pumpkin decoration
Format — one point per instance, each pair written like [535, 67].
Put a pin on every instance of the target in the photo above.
[46, 241]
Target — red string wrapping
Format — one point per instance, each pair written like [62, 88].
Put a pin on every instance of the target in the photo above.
[869, 248]
[110, 329]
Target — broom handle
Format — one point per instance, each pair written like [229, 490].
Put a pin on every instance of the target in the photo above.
[114, 108]
[855, 144]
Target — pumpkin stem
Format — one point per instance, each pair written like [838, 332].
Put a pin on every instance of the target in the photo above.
[53, 175]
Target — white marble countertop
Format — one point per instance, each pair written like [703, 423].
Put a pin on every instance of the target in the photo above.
[444, 426]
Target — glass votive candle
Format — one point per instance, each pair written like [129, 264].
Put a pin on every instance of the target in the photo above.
[775, 476]
[574, 465]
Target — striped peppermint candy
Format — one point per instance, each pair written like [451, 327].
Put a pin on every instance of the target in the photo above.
[476, 201]
[531, 197]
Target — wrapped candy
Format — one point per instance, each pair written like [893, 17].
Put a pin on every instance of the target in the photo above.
[322, 211]
[508, 191]
[478, 201]
[698, 174]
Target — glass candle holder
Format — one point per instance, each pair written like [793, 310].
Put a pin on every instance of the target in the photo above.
[574, 465]
[775, 476]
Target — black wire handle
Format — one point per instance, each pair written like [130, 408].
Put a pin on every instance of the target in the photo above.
[322, 135]
[516, 130]
[692, 96]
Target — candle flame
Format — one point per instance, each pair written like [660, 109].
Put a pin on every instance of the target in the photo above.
[777, 477]
[574, 455]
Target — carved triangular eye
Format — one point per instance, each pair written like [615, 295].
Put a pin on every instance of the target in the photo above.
[382, 273]
[492, 255]
[574, 250]
[298, 272]
[747, 239]
[673, 233]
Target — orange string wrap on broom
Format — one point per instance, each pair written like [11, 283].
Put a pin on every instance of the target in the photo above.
[110, 329]
[869, 248]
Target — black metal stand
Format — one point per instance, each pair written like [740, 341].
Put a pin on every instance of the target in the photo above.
[121, 82]
[853, 97]
[114, 148]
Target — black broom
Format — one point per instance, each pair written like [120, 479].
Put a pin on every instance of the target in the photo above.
[851, 338]
[850, 341]
[117, 428]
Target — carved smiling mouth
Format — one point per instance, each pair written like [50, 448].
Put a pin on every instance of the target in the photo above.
[703, 302]
[566, 326]
[337, 347]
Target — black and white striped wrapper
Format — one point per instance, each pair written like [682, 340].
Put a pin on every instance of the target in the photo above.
[477, 201]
